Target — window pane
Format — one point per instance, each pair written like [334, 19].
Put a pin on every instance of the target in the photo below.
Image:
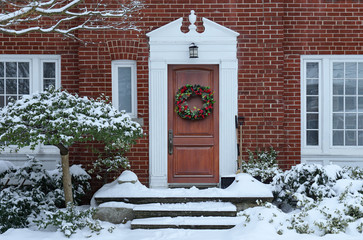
[312, 70]
[1, 86]
[23, 69]
[350, 104]
[338, 121]
[338, 86]
[360, 138]
[351, 70]
[24, 86]
[2, 102]
[49, 70]
[2, 74]
[338, 70]
[338, 138]
[312, 87]
[124, 88]
[360, 104]
[360, 70]
[350, 138]
[312, 138]
[360, 87]
[11, 69]
[11, 86]
[338, 104]
[360, 121]
[47, 83]
[312, 121]
[350, 121]
[350, 87]
[312, 104]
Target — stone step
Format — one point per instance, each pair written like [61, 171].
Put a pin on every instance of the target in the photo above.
[241, 202]
[186, 222]
[192, 209]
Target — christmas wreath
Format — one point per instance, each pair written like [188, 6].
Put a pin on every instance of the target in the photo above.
[187, 91]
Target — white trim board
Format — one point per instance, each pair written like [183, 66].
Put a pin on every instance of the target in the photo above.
[168, 45]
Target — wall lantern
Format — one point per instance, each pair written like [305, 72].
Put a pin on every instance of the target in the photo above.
[193, 51]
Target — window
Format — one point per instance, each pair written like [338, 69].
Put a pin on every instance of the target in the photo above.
[24, 74]
[332, 105]
[124, 86]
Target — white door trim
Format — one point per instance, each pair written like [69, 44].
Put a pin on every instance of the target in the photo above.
[168, 45]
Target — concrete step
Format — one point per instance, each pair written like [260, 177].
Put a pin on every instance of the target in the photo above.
[192, 209]
[186, 222]
[241, 202]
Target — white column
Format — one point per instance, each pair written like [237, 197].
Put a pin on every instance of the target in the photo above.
[158, 124]
[228, 89]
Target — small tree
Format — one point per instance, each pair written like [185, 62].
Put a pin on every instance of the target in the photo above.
[66, 16]
[55, 117]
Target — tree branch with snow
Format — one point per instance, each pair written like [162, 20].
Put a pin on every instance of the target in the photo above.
[58, 118]
[67, 16]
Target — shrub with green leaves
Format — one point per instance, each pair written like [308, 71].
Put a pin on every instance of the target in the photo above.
[69, 220]
[261, 164]
[312, 180]
[32, 189]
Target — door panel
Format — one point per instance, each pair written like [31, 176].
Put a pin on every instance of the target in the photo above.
[195, 143]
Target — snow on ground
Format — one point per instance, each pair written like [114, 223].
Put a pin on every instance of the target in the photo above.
[258, 223]
[257, 229]
[244, 186]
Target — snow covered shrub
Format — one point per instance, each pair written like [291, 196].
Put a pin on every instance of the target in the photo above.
[69, 220]
[104, 166]
[312, 180]
[261, 164]
[58, 118]
[331, 215]
[355, 173]
[30, 189]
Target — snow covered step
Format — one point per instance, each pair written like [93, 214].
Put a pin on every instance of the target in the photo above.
[186, 222]
[185, 209]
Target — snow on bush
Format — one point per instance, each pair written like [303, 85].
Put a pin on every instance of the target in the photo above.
[327, 200]
[312, 180]
[261, 164]
[59, 118]
[69, 220]
[31, 189]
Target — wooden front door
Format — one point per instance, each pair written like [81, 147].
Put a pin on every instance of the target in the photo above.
[194, 158]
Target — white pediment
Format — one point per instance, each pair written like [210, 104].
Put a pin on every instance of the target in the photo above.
[172, 31]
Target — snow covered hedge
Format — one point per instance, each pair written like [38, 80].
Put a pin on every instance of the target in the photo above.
[316, 200]
[27, 191]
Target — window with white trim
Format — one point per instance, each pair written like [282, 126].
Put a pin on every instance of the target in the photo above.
[124, 92]
[24, 74]
[332, 105]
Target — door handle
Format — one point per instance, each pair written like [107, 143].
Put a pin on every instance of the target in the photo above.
[170, 142]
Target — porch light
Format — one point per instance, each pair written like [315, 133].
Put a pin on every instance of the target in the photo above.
[193, 51]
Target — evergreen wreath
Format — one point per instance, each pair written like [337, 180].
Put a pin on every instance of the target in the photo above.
[187, 91]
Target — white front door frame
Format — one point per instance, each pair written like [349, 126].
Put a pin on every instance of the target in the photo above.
[168, 45]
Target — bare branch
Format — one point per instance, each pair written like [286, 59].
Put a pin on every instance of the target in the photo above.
[66, 16]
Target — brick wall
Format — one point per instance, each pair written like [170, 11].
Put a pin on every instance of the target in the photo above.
[273, 36]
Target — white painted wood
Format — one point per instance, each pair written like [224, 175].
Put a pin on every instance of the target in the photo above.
[326, 153]
[169, 45]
